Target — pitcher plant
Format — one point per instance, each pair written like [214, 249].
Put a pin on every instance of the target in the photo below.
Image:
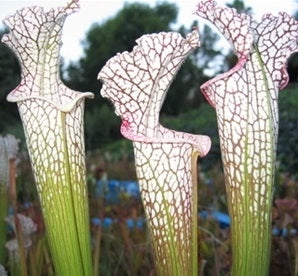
[166, 160]
[246, 103]
[52, 117]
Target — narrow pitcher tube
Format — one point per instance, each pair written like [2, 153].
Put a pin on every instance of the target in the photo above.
[52, 116]
[166, 160]
[246, 103]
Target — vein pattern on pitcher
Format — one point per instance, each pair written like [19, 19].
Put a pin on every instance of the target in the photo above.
[137, 83]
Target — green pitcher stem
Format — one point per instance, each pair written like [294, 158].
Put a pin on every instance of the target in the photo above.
[65, 210]
[251, 219]
[251, 239]
[52, 116]
[171, 209]
[195, 249]
[246, 103]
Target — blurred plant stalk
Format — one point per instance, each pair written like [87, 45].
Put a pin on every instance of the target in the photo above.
[166, 160]
[19, 246]
[8, 151]
[3, 232]
[246, 103]
[52, 116]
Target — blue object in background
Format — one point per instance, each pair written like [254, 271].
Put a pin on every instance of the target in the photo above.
[101, 188]
[224, 221]
[130, 223]
[111, 189]
[107, 222]
[138, 223]
[131, 188]
[284, 232]
[222, 218]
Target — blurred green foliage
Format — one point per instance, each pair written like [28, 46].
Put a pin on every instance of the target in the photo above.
[201, 121]
[9, 79]
[287, 151]
[117, 34]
